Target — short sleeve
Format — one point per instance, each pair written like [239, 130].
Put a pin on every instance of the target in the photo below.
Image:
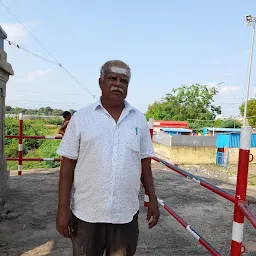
[70, 144]
[146, 146]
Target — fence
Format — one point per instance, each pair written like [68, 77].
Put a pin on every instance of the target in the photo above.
[241, 207]
[20, 137]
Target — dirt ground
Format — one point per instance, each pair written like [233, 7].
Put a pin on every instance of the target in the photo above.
[29, 228]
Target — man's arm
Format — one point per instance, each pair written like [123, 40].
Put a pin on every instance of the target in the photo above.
[63, 222]
[148, 183]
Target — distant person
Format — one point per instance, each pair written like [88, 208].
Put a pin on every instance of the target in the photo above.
[67, 116]
[106, 153]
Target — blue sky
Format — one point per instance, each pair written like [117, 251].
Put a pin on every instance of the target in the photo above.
[166, 43]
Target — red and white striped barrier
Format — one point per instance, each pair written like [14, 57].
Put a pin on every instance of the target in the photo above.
[247, 212]
[197, 180]
[241, 187]
[241, 210]
[35, 159]
[20, 144]
[57, 137]
[189, 228]
[146, 199]
[20, 137]
[151, 128]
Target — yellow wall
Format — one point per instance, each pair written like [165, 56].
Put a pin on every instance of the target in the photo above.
[234, 152]
[186, 154]
[195, 155]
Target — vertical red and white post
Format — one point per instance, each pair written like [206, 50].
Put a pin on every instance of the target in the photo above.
[241, 187]
[151, 129]
[20, 144]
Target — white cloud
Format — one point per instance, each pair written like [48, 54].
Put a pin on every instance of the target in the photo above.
[37, 73]
[15, 32]
[230, 89]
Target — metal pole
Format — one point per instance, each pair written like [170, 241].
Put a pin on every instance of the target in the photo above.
[151, 129]
[20, 144]
[241, 187]
[249, 75]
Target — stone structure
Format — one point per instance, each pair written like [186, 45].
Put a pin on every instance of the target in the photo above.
[5, 72]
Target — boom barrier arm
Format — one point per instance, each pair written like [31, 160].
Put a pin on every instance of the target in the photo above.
[247, 212]
[189, 228]
[198, 180]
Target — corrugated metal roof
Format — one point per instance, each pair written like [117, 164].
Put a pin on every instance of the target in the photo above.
[232, 140]
[223, 129]
[175, 130]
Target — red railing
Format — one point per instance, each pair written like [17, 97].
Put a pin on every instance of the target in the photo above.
[20, 137]
[241, 209]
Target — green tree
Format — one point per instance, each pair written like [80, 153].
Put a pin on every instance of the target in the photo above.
[57, 112]
[251, 112]
[228, 123]
[8, 108]
[186, 103]
[72, 111]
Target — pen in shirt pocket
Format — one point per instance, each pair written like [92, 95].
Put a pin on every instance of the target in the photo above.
[136, 130]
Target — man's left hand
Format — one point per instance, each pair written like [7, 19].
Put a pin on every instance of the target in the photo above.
[153, 213]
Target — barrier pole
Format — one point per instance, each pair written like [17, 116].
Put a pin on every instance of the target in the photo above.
[58, 137]
[189, 228]
[35, 159]
[151, 128]
[20, 144]
[241, 187]
[197, 180]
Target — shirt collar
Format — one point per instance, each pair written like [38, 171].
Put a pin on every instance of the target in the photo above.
[98, 104]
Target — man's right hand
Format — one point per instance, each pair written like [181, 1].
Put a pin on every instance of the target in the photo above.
[64, 222]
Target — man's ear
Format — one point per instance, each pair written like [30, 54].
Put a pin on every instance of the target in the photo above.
[100, 83]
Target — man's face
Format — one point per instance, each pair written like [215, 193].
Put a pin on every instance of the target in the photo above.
[115, 84]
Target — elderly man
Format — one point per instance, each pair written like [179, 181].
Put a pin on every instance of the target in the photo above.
[106, 153]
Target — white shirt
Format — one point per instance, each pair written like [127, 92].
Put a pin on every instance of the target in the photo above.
[108, 170]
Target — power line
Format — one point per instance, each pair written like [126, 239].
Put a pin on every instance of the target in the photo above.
[48, 93]
[15, 17]
[32, 53]
[56, 61]
[46, 102]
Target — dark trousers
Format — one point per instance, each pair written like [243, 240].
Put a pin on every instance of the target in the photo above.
[93, 239]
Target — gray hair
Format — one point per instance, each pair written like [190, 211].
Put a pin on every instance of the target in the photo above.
[114, 63]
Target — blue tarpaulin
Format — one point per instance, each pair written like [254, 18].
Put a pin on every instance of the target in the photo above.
[232, 140]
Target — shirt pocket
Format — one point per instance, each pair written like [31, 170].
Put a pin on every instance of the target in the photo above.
[132, 139]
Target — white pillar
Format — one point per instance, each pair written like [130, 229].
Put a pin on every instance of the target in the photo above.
[5, 72]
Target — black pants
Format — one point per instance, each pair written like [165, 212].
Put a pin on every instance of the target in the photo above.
[93, 239]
